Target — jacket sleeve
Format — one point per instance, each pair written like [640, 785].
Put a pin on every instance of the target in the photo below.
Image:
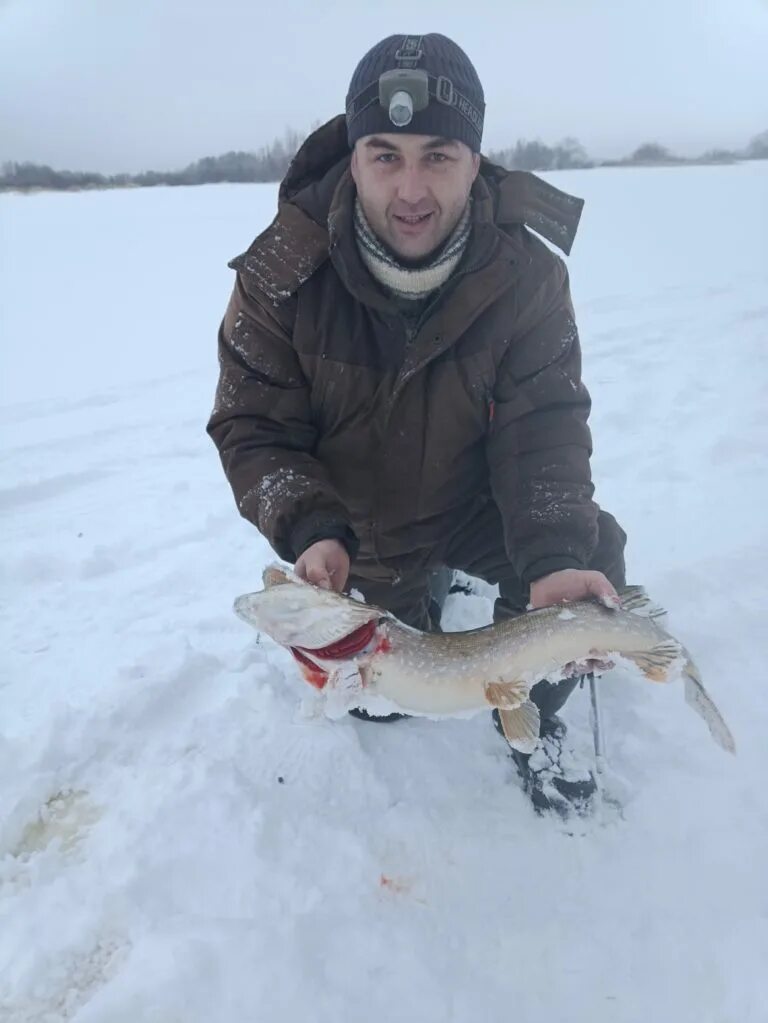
[539, 442]
[262, 426]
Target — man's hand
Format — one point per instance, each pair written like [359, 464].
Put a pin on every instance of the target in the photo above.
[326, 564]
[573, 584]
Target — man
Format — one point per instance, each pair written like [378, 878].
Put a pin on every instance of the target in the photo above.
[400, 381]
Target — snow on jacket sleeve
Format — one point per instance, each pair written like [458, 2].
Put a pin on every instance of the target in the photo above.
[262, 426]
[539, 444]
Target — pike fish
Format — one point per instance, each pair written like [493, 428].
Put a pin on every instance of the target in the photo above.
[341, 643]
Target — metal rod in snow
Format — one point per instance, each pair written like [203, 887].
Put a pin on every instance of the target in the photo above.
[597, 726]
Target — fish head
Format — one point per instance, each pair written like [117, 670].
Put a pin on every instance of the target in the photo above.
[294, 613]
[333, 638]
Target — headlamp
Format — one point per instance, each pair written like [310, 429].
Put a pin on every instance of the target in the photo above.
[402, 92]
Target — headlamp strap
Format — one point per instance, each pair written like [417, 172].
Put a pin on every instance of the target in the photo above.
[410, 52]
[441, 89]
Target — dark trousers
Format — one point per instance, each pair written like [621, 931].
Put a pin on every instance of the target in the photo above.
[479, 551]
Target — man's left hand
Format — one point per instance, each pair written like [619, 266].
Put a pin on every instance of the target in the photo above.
[573, 584]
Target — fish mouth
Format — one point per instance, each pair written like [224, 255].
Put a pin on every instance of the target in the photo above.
[367, 639]
[244, 607]
[349, 645]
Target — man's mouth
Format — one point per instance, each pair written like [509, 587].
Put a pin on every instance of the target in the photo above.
[413, 218]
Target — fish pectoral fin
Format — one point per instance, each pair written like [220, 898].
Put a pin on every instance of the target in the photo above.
[634, 598]
[697, 697]
[656, 662]
[521, 726]
[506, 694]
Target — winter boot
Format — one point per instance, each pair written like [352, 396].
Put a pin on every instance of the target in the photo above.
[552, 775]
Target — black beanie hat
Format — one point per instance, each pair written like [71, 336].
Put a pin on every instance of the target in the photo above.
[456, 102]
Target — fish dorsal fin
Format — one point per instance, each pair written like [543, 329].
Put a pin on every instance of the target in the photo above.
[634, 598]
[521, 726]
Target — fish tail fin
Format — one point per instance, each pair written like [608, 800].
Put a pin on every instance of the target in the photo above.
[634, 598]
[697, 697]
[655, 663]
[521, 726]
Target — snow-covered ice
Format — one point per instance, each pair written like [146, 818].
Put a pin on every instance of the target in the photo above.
[181, 841]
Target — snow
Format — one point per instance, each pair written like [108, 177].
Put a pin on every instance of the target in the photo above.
[180, 840]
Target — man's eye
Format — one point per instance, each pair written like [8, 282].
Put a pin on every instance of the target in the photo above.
[438, 157]
[386, 158]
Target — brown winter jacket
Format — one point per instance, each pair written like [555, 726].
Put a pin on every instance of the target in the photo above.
[329, 424]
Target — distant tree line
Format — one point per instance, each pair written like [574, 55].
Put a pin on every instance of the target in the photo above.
[535, 156]
[271, 162]
[570, 154]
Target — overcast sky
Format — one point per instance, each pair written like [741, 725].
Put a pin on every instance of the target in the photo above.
[110, 86]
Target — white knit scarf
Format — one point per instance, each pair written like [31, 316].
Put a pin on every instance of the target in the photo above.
[406, 282]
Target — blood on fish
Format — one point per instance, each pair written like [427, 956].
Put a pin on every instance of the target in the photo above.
[383, 646]
[311, 672]
[338, 651]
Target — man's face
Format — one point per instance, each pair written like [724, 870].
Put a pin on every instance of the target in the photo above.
[413, 189]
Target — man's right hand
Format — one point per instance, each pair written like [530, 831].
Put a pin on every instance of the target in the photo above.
[326, 564]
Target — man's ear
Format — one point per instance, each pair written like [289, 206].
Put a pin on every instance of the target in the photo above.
[353, 164]
[475, 165]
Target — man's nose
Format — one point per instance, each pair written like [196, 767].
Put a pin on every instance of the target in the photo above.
[411, 185]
